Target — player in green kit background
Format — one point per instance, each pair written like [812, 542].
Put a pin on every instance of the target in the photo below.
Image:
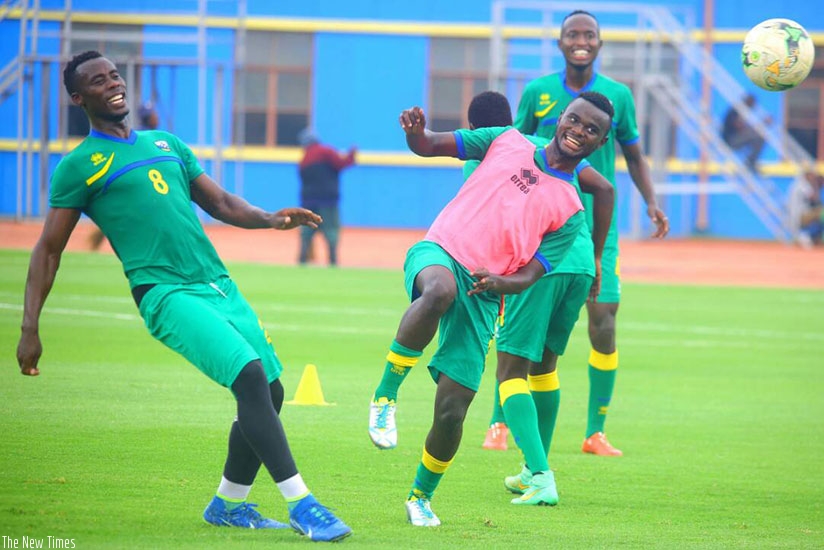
[541, 104]
[138, 187]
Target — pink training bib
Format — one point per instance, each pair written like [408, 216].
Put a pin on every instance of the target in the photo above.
[504, 209]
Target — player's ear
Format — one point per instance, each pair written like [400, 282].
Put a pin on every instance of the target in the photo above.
[77, 99]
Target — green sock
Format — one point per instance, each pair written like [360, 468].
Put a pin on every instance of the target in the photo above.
[546, 393]
[399, 361]
[546, 405]
[429, 474]
[497, 410]
[602, 371]
[519, 409]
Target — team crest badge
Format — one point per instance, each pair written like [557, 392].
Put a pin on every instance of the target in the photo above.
[97, 158]
[162, 145]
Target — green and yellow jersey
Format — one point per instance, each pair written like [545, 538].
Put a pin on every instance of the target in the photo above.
[546, 97]
[137, 191]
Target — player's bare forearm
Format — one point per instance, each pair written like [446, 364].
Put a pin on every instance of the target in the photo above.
[640, 174]
[227, 207]
[421, 140]
[603, 204]
[514, 283]
[43, 266]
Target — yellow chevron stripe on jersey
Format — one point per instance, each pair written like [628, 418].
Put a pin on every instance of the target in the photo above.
[545, 110]
[100, 173]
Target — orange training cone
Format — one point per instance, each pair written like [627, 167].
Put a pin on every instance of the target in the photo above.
[309, 392]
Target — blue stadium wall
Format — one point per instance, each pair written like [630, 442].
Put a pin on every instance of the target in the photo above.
[361, 82]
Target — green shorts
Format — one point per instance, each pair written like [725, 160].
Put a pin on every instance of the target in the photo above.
[610, 271]
[543, 316]
[467, 326]
[211, 325]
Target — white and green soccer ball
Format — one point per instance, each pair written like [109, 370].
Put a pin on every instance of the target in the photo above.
[778, 54]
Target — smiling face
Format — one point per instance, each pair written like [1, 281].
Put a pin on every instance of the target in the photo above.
[580, 40]
[582, 128]
[100, 90]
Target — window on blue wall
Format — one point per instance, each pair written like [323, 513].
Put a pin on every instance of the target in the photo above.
[459, 71]
[272, 87]
[805, 110]
[620, 60]
[120, 43]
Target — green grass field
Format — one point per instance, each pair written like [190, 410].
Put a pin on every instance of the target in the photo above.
[120, 443]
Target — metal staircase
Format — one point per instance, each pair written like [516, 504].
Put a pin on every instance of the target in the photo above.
[530, 28]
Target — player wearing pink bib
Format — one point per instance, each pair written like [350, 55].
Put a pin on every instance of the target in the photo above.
[483, 244]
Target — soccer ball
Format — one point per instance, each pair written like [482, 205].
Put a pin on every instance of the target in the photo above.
[778, 54]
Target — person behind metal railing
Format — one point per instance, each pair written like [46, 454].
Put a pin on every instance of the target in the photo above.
[740, 136]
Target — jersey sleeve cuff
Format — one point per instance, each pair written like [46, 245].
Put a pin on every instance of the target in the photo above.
[460, 144]
[544, 262]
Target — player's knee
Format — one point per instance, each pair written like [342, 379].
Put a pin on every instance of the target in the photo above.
[451, 412]
[438, 296]
[250, 380]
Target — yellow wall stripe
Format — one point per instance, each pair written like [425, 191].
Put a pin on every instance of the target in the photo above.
[603, 361]
[292, 155]
[366, 26]
[511, 387]
[544, 382]
[100, 173]
[433, 464]
[401, 360]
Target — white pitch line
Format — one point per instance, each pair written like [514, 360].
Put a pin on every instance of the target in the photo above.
[721, 333]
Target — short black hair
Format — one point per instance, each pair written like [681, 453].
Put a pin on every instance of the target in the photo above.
[70, 72]
[490, 109]
[601, 101]
[580, 12]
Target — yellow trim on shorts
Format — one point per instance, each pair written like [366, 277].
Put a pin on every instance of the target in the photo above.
[603, 361]
[433, 464]
[544, 382]
[511, 387]
[401, 360]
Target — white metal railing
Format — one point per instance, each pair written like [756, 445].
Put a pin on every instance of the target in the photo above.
[654, 26]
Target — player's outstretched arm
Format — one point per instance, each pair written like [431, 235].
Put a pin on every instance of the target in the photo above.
[234, 210]
[421, 141]
[639, 171]
[514, 283]
[43, 265]
[603, 203]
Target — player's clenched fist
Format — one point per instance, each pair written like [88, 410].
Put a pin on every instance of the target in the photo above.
[413, 121]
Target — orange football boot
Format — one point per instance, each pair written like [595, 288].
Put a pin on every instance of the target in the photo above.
[597, 444]
[496, 437]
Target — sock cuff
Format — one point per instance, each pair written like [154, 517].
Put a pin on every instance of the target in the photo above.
[401, 360]
[544, 382]
[433, 464]
[603, 361]
[400, 349]
[299, 497]
[227, 499]
[511, 387]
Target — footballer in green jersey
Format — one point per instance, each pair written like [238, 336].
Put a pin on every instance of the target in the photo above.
[139, 188]
[543, 100]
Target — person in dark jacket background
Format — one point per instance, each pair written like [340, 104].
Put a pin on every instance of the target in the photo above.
[319, 172]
